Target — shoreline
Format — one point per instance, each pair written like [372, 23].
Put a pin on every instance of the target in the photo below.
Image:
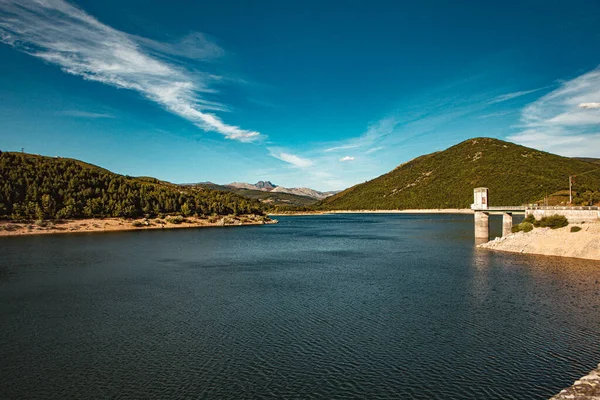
[411, 211]
[584, 244]
[103, 225]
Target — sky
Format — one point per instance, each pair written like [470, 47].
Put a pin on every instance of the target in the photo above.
[320, 94]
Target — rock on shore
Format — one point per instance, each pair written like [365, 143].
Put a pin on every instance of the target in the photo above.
[552, 242]
[586, 388]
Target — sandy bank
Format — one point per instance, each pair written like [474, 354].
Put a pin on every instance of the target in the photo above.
[415, 211]
[559, 242]
[11, 228]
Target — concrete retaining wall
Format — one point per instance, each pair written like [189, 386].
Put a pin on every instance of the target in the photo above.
[574, 216]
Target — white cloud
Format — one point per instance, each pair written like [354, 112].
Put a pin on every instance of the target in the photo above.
[64, 35]
[558, 142]
[291, 158]
[374, 149]
[84, 114]
[495, 114]
[344, 147]
[195, 46]
[589, 105]
[381, 128]
[575, 118]
[347, 158]
[564, 121]
[513, 95]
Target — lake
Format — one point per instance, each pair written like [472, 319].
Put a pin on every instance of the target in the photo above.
[332, 307]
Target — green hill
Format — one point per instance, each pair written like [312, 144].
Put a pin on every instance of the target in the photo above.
[269, 199]
[40, 187]
[514, 175]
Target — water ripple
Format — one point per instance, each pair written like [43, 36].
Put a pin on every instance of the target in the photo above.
[332, 307]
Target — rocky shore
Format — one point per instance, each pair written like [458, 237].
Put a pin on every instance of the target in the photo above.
[586, 388]
[19, 228]
[563, 242]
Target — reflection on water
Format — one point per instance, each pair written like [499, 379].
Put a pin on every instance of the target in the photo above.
[343, 306]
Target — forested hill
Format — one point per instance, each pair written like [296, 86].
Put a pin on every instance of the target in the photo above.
[43, 187]
[514, 174]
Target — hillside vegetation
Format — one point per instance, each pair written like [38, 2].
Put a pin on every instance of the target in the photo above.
[514, 175]
[37, 187]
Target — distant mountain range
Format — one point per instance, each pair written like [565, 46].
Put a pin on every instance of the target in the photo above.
[588, 159]
[514, 174]
[270, 194]
[267, 186]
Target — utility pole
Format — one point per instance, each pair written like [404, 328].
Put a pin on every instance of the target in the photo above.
[571, 188]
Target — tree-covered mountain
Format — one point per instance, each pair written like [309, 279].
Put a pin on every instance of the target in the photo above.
[514, 175]
[44, 187]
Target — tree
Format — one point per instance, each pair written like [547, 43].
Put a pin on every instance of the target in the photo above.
[185, 210]
[48, 206]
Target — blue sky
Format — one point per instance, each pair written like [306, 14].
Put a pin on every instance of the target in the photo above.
[302, 93]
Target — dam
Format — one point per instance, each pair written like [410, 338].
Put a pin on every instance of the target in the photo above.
[482, 211]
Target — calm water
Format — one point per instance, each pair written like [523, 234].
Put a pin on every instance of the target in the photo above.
[345, 306]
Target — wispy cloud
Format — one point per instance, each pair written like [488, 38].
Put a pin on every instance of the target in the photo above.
[374, 133]
[338, 148]
[513, 95]
[381, 128]
[289, 158]
[374, 149]
[194, 46]
[565, 120]
[84, 114]
[347, 158]
[62, 34]
[495, 114]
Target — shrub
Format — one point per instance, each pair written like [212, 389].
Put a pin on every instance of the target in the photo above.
[176, 220]
[575, 228]
[137, 224]
[553, 221]
[522, 227]
[10, 227]
[530, 218]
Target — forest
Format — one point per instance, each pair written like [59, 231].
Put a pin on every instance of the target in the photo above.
[38, 187]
